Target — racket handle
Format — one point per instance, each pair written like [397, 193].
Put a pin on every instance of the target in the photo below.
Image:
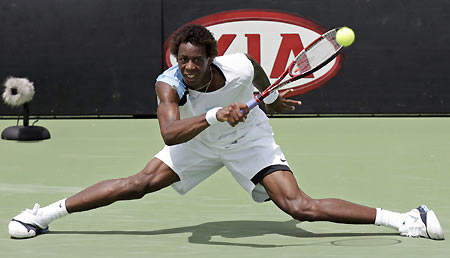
[250, 104]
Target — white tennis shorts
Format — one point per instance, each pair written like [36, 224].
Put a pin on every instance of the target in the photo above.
[194, 161]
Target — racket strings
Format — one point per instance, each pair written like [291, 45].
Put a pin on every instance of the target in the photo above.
[317, 53]
[314, 57]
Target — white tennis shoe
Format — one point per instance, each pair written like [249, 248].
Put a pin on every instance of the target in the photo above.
[421, 222]
[28, 223]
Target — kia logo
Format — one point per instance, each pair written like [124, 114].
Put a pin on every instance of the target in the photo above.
[272, 38]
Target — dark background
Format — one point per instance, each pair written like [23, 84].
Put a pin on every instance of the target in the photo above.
[101, 57]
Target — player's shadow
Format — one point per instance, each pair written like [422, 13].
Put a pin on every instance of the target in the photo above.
[204, 233]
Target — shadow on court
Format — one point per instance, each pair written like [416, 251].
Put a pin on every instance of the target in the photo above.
[203, 234]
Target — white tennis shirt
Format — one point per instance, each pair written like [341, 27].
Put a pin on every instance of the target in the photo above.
[238, 71]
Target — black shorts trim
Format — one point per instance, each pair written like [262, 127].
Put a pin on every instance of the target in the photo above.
[267, 171]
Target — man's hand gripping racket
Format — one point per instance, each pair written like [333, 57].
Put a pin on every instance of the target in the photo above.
[319, 53]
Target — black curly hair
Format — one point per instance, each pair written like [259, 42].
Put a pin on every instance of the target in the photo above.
[197, 35]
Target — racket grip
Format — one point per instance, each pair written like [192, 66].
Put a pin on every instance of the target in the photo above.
[250, 104]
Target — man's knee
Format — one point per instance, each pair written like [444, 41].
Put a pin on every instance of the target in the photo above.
[302, 209]
[133, 188]
[149, 180]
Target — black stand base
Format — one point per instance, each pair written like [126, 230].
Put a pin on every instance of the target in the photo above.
[25, 133]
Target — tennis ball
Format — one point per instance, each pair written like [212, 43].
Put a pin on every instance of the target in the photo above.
[345, 36]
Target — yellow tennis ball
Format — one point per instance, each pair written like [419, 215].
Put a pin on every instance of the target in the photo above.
[345, 36]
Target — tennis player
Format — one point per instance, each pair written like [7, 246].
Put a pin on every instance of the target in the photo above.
[200, 118]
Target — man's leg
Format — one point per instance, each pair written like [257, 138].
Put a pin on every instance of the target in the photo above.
[285, 193]
[283, 189]
[155, 176]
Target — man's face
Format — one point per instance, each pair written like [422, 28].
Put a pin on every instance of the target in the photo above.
[194, 65]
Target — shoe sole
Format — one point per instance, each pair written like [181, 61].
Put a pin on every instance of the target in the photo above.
[21, 230]
[434, 229]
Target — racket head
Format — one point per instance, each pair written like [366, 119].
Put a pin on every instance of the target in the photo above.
[316, 55]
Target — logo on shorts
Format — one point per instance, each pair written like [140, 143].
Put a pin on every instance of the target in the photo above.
[270, 37]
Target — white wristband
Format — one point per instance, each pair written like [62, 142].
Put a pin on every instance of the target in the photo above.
[211, 116]
[271, 98]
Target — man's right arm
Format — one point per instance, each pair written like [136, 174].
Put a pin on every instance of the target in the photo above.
[174, 130]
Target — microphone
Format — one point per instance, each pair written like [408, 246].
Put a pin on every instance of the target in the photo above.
[18, 93]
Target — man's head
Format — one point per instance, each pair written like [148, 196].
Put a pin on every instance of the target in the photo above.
[195, 48]
[197, 35]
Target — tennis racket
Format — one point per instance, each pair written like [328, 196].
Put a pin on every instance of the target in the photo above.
[319, 53]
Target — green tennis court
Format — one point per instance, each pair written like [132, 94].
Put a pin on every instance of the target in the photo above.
[394, 163]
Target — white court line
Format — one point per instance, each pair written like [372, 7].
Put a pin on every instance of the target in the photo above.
[28, 188]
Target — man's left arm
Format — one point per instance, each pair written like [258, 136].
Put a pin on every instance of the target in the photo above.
[261, 82]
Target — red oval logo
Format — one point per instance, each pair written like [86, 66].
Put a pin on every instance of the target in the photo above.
[272, 38]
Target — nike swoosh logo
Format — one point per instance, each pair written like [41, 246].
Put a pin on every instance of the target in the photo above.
[415, 218]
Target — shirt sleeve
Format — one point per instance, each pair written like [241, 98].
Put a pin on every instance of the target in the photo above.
[173, 78]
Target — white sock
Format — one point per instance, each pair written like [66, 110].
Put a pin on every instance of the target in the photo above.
[53, 211]
[388, 218]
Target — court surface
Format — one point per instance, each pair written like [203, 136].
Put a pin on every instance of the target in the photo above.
[394, 163]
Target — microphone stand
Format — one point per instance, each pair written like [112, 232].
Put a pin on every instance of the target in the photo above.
[26, 132]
